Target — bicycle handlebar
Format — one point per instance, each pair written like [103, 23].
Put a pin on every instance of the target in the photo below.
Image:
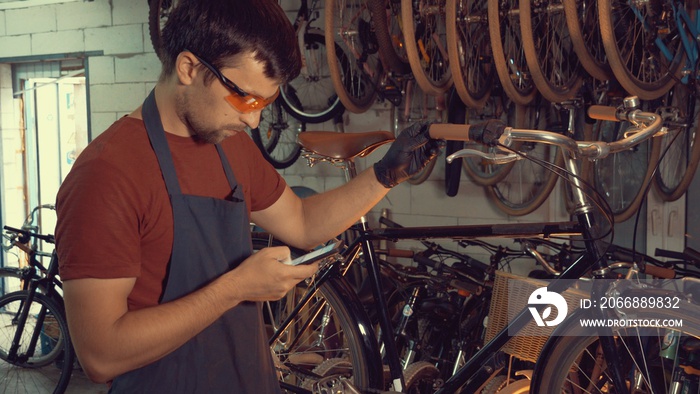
[48, 238]
[646, 123]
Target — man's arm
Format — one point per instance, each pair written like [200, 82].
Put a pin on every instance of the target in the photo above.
[110, 340]
[305, 223]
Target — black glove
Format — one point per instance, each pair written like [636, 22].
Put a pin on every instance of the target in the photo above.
[408, 154]
[488, 132]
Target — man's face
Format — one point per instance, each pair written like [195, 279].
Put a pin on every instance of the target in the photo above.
[204, 107]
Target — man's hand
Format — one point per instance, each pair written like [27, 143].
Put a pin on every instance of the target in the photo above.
[408, 154]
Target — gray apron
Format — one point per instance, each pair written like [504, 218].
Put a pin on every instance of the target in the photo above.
[211, 236]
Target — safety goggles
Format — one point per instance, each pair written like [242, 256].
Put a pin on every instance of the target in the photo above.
[243, 102]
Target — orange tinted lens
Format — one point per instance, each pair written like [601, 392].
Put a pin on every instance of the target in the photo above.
[250, 102]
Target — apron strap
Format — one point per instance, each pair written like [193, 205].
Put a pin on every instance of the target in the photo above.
[156, 134]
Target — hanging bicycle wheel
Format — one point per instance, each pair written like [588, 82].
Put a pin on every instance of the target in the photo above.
[311, 97]
[528, 184]
[386, 18]
[481, 171]
[469, 50]
[584, 29]
[426, 44]
[276, 136]
[158, 13]
[642, 44]
[549, 50]
[678, 166]
[348, 27]
[622, 178]
[508, 54]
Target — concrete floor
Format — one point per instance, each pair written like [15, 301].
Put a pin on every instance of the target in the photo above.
[32, 383]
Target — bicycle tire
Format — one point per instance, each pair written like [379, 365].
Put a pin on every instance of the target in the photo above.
[549, 51]
[386, 19]
[634, 59]
[569, 358]
[677, 168]
[311, 97]
[276, 135]
[622, 178]
[49, 371]
[420, 377]
[426, 44]
[469, 50]
[158, 12]
[348, 27]
[10, 280]
[584, 29]
[508, 57]
[330, 334]
[528, 185]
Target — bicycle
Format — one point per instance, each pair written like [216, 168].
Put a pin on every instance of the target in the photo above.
[345, 349]
[34, 341]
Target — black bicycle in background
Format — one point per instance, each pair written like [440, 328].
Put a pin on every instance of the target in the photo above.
[36, 354]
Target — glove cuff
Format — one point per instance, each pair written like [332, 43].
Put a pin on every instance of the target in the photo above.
[383, 177]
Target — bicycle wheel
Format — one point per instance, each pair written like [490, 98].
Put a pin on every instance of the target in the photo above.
[310, 97]
[576, 363]
[323, 342]
[349, 28]
[633, 38]
[10, 280]
[508, 55]
[622, 178]
[584, 29]
[386, 18]
[469, 50]
[480, 171]
[45, 366]
[677, 168]
[549, 51]
[276, 136]
[424, 27]
[528, 184]
[158, 13]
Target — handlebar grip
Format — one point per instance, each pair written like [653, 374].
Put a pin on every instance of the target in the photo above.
[603, 112]
[669, 254]
[451, 132]
[659, 272]
[692, 253]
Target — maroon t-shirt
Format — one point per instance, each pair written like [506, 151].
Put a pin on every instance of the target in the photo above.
[114, 215]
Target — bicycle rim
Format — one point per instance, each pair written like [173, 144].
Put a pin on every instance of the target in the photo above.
[323, 341]
[528, 184]
[508, 55]
[311, 97]
[549, 51]
[584, 29]
[276, 136]
[49, 368]
[426, 44]
[677, 168]
[386, 17]
[622, 178]
[348, 27]
[638, 64]
[576, 364]
[469, 50]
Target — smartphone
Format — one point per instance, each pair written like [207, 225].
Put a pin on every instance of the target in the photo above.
[318, 254]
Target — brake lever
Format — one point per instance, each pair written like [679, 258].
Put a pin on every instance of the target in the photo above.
[491, 157]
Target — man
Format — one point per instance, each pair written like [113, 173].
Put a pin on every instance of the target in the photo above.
[153, 232]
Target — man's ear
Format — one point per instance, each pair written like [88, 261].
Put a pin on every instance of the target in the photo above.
[186, 67]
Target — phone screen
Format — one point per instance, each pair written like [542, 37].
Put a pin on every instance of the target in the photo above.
[317, 254]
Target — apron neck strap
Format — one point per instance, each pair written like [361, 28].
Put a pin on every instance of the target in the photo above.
[156, 134]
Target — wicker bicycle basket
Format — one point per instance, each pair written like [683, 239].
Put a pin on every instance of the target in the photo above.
[510, 296]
